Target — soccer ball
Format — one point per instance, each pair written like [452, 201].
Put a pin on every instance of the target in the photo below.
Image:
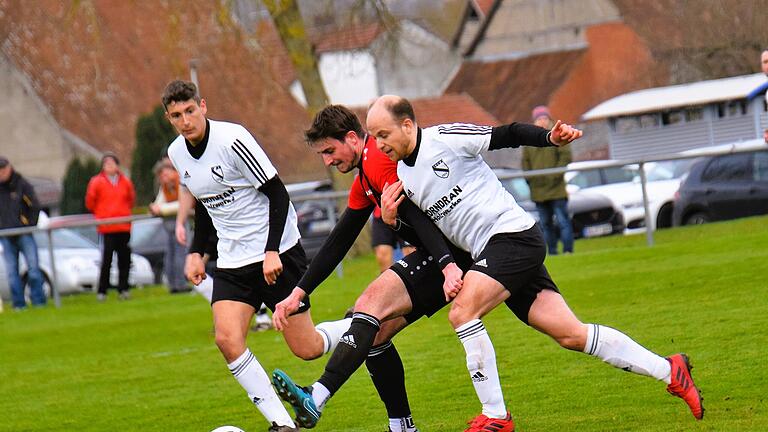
[228, 429]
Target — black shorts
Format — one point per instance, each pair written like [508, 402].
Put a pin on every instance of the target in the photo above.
[516, 260]
[423, 280]
[382, 234]
[247, 285]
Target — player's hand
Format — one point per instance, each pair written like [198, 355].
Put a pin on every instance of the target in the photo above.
[181, 234]
[562, 134]
[154, 209]
[453, 281]
[273, 267]
[194, 268]
[391, 197]
[285, 308]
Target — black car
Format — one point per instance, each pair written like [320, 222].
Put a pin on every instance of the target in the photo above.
[723, 187]
[592, 214]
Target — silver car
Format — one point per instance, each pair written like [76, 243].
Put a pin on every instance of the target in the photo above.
[78, 261]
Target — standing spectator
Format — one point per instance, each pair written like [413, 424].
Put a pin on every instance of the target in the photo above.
[166, 205]
[19, 208]
[110, 194]
[548, 192]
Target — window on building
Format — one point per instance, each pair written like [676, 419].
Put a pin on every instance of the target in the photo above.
[626, 124]
[728, 168]
[732, 108]
[650, 120]
[694, 114]
[672, 117]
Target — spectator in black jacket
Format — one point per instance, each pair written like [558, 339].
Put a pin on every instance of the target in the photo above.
[19, 208]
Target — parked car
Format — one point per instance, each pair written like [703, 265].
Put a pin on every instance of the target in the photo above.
[622, 186]
[723, 187]
[591, 214]
[78, 262]
[148, 239]
[315, 218]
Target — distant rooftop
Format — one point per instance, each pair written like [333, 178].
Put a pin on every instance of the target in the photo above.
[663, 98]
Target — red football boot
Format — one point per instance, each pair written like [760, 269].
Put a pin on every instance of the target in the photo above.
[682, 384]
[482, 423]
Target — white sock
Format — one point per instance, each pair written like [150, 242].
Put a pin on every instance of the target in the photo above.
[619, 350]
[402, 424]
[331, 332]
[481, 363]
[205, 288]
[320, 395]
[252, 377]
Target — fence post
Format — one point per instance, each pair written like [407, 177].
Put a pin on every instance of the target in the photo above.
[644, 185]
[54, 278]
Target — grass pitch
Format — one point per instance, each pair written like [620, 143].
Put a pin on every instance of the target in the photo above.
[150, 364]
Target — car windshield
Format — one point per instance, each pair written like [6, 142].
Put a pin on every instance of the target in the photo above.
[64, 238]
[518, 187]
[143, 231]
[668, 170]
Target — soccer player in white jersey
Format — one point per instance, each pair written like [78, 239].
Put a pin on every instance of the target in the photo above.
[260, 258]
[442, 172]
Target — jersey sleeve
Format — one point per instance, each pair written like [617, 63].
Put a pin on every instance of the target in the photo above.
[357, 199]
[466, 139]
[250, 159]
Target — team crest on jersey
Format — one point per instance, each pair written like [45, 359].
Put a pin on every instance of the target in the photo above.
[440, 169]
[217, 173]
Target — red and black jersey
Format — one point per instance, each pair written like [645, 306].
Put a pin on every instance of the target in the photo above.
[376, 170]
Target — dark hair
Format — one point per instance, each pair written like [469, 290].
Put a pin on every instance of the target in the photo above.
[333, 121]
[401, 110]
[179, 91]
[109, 155]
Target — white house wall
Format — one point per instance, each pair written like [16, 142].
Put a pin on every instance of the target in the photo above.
[349, 77]
[416, 64]
[32, 139]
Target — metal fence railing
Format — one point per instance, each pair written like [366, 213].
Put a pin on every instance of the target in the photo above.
[331, 198]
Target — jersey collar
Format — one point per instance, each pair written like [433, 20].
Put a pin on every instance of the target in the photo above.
[196, 151]
[411, 159]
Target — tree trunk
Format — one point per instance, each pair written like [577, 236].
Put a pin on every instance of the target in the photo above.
[290, 26]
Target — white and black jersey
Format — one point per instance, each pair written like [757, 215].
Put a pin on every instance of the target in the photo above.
[447, 178]
[225, 178]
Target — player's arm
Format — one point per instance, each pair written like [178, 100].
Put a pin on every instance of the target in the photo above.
[186, 203]
[194, 267]
[254, 165]
[279, 202]
[397, 209]
[338, 243]
[521, 134]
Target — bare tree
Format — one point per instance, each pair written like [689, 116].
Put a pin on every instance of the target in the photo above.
[701, 39]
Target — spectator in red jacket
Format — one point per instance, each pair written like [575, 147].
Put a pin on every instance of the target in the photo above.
[110, 194]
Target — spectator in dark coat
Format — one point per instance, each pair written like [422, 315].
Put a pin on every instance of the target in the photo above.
[19, 208]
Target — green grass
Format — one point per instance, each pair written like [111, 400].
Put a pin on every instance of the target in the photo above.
[150, 364]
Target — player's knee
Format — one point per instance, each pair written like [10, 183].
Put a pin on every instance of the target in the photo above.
[574, 340]
[459, 314]
[306, 352]
[230, 345]
[369, 303]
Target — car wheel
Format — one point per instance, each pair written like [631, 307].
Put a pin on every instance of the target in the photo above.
[697, 219]
[47, 290]
[664, 218]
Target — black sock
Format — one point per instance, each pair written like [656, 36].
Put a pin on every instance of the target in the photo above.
[351, 352]
[388, 376]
